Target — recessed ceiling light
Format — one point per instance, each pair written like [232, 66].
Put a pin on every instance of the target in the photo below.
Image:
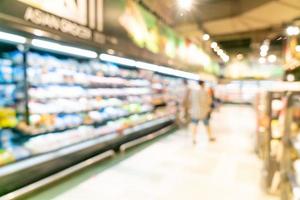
[262, 60]
[185, 5]
[12, 38]
[205, 37]
[263, 53]
[292, 31]
[272, 58]
[214, 45]
[290, 77]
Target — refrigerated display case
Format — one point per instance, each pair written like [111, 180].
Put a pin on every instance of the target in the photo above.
[57, 110]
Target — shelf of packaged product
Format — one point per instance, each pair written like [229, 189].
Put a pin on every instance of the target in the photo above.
[9, 83]
[116, 104]
[24, 172]
[107, 77]
[147, 125]
[127, 78]
[90, 96]
[86, 86]
[119, 96]
[95, 124]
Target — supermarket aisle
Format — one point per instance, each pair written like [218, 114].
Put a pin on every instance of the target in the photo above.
[173, 168]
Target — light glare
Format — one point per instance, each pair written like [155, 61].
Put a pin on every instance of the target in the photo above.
[205, 37]
[214, 45]
[264, 48]
[12, 38]
[117, 60]
[262, 60]
[63, 48]
[166, 70]
[272, 58]
[185, 4]
[263, 53]
[148, 66]
[290, 77]
[292, 31]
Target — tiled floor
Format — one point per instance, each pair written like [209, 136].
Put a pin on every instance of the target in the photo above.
[172, 168]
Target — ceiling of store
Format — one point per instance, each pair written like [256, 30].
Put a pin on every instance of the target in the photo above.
[228, 20]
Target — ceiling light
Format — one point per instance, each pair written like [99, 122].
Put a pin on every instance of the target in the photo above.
[220, 51]
[292, 31]
[117, 60]
[226, 58]
[12, 38]
[216, 49]
[298, 48]
[205, 37]
[262, 60]
[166, 70]
[272, 58]
[264, 47]
[185, 4]
[290, 77]
[43, 44]
[148, 66]
[263, 53]
[214, 45]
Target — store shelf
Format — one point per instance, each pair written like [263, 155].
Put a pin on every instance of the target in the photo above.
[92, 96]
[84, 111]
[147, 125]
[9, 83]
[21, 165]
[95, 124]
[33, 169]
[86, 86]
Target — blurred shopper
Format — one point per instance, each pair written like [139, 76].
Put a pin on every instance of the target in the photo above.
[183, 114]
[200, 110]
[215, 101]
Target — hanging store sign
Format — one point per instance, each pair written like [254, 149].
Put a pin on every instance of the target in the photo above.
[74, 10]
[75, 17]
[39, 17]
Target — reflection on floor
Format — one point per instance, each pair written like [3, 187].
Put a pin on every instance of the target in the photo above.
[173, 168]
